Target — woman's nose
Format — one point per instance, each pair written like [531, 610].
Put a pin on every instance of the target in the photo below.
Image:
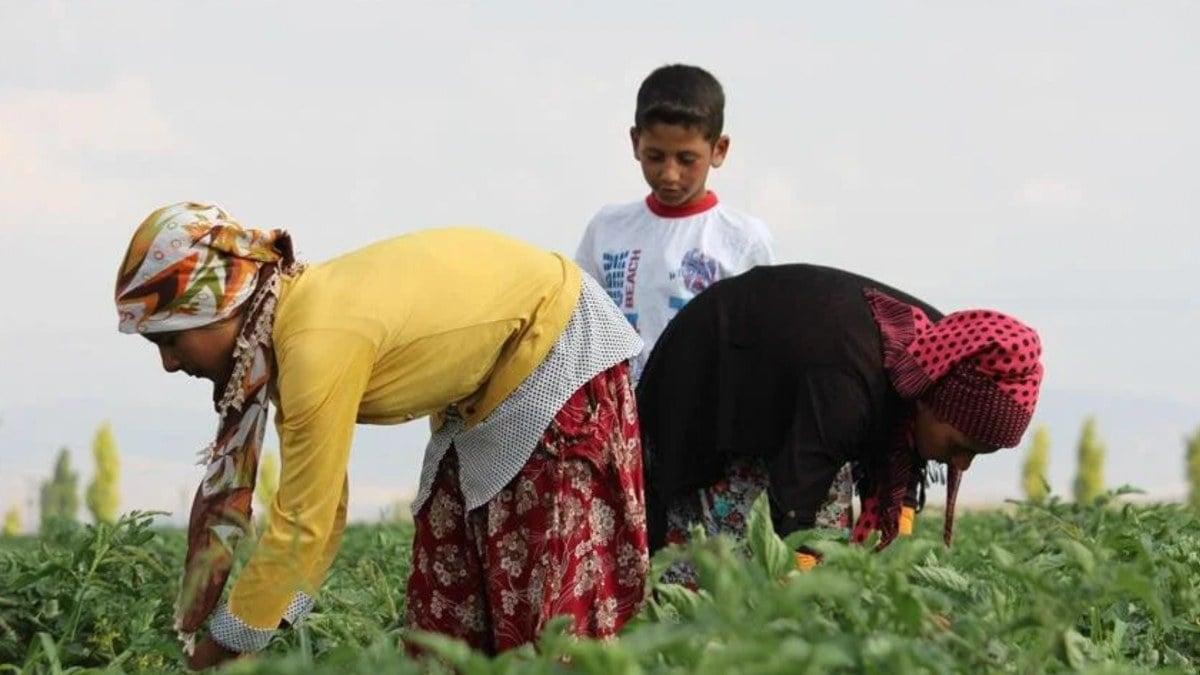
[170, 362]
[962, 461]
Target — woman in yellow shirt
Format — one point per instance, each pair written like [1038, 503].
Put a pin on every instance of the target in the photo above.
[530, 502]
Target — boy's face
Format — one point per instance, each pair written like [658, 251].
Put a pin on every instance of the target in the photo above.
[675, 160]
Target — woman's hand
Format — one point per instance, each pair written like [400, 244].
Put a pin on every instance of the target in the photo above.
[209, 654]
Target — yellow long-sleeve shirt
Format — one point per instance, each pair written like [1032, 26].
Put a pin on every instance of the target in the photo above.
[395, 331]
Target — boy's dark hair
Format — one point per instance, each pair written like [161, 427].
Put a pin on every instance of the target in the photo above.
[684, 95]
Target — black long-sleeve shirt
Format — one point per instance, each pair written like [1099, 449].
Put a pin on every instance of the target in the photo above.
[782, 363]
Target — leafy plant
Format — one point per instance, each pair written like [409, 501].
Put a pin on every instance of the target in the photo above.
[1051, 587]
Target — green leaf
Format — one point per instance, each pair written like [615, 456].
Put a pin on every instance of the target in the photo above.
[1080, 554]
[1075, 648]
[1001, 556]
[766, 547]
[943, 578]
[684, 600]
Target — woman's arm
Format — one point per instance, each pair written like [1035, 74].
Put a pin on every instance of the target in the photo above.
[322, 376]
[831, 419]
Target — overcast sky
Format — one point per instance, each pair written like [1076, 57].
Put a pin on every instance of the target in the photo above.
[1041, 158]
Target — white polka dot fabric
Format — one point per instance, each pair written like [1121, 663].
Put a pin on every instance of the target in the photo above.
[233, 634]
[491, 453]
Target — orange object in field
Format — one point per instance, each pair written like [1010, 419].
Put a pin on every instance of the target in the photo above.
[805, 561]
[908, 518]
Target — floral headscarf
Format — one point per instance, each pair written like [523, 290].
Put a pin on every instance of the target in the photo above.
[190, 265]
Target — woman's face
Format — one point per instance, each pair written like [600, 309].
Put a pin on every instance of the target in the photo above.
[940, 442]
[205, 352]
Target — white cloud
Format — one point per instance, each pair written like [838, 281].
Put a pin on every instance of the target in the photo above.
[58, 148]
[123, 117]
[1050, 192]
[957, 167]
[368, 501]
[777, 197]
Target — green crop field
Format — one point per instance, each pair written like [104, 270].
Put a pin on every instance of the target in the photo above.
[1059, 588]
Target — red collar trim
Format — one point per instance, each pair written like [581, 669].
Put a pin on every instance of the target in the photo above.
[701, 205]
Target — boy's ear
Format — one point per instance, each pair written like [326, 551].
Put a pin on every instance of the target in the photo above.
[634, 133]
[720, 149]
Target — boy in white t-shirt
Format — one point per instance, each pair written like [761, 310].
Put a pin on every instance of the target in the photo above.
[655, 254]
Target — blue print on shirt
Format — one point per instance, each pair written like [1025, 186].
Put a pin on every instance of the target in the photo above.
[613, 268]
[619, 269]
[697, 271]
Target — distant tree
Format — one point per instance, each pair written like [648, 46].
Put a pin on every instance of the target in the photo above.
[267, 485]
[12, 522]
[399, 511]
[1089, 477]
[1037, 461]
[103, 494]
[1193, 467]
[60, 494]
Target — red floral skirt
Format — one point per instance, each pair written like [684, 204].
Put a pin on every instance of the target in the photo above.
[567, 536]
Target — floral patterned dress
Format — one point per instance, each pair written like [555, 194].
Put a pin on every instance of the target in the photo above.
[567, 536]
[724, 508]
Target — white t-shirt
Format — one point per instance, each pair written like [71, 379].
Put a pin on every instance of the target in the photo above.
[652, 258]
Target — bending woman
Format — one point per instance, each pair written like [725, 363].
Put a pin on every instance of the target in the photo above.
[530, 502]
[774, 380]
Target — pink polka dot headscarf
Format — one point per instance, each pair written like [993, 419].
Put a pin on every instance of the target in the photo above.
[978, 370]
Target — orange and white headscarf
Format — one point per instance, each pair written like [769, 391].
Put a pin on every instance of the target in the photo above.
[190, 265]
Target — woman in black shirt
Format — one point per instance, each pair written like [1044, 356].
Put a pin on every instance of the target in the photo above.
[778, 378]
